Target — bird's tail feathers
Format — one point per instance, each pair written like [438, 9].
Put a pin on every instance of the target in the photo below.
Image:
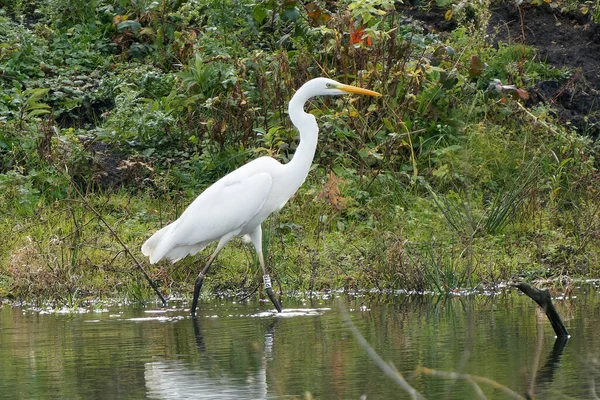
[160, 245]
[177, 253]
[153, 242]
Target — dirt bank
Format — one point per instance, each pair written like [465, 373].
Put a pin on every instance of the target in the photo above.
[562, 40]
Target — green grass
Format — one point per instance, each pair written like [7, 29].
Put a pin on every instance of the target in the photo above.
[438, 185]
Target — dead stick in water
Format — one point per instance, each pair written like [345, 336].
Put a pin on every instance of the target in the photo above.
[129, 253]
[542, 297]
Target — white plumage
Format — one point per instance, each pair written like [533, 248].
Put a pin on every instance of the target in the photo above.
[239, 202]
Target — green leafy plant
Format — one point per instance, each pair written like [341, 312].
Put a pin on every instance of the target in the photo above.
[29, 104]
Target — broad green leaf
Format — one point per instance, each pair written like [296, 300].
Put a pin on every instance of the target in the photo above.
[259, 13]
[291, 14]
[38, 106]
[133, 25]
[37, 112]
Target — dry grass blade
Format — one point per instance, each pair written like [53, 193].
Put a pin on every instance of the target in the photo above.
[478, 390]
[385, 367]
[469, 378]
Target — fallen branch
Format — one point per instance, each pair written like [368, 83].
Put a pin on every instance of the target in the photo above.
[542, 297]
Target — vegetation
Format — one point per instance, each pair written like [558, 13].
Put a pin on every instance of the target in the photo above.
[451, 180]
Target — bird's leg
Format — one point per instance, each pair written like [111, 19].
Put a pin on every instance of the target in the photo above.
[256, 237]
[269, 290]
[200, 278]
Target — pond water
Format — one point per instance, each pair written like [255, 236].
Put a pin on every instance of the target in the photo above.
[246, 351]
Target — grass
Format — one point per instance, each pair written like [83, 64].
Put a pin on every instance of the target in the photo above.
[441, 184]
[65, 253]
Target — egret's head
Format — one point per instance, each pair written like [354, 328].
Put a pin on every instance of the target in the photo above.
[329, 87]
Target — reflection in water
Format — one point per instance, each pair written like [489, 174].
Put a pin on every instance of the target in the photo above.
[237, 351]
[175, 379]
[198, 335]
[546, 374]
[269, 340]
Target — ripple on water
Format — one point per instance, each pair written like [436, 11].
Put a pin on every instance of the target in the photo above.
[292, 312]
[159, 318]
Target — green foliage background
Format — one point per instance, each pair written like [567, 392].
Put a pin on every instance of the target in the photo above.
[134, 107]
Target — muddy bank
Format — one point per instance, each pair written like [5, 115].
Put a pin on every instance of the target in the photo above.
[562, 40]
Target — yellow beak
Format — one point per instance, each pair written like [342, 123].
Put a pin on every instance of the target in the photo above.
[357, 90]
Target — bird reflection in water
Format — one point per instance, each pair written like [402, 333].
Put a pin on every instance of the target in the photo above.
[178, 379]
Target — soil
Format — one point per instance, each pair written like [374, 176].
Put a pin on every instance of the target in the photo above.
[562, 40]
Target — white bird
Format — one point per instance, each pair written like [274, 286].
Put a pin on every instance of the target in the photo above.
[238, 203]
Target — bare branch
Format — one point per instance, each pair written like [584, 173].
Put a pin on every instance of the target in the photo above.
[139, 266]
[542, 297]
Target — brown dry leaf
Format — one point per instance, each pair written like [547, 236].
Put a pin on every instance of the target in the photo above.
[476, 67]
[331, 191]
[317, 14]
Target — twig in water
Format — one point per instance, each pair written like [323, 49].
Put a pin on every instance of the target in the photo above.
[249, 294]
[478, 390]
[593, 389]
[139, 266]
[388, 369]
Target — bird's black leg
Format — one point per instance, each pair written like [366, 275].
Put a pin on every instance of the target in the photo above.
[256, 237]
[269, 290]
[202, 275]
[197, 287]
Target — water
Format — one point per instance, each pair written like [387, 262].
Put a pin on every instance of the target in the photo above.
[244, 351]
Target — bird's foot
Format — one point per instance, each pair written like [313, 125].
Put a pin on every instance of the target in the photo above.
[273, 299]
[197, 287]
[269, 290]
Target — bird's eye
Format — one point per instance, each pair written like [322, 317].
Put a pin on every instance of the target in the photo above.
[329, 85]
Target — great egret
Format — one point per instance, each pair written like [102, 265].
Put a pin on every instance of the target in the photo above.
[238, 203]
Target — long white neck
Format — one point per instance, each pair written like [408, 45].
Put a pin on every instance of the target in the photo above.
[309, 133]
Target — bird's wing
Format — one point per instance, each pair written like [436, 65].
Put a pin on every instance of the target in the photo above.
[225, 207]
